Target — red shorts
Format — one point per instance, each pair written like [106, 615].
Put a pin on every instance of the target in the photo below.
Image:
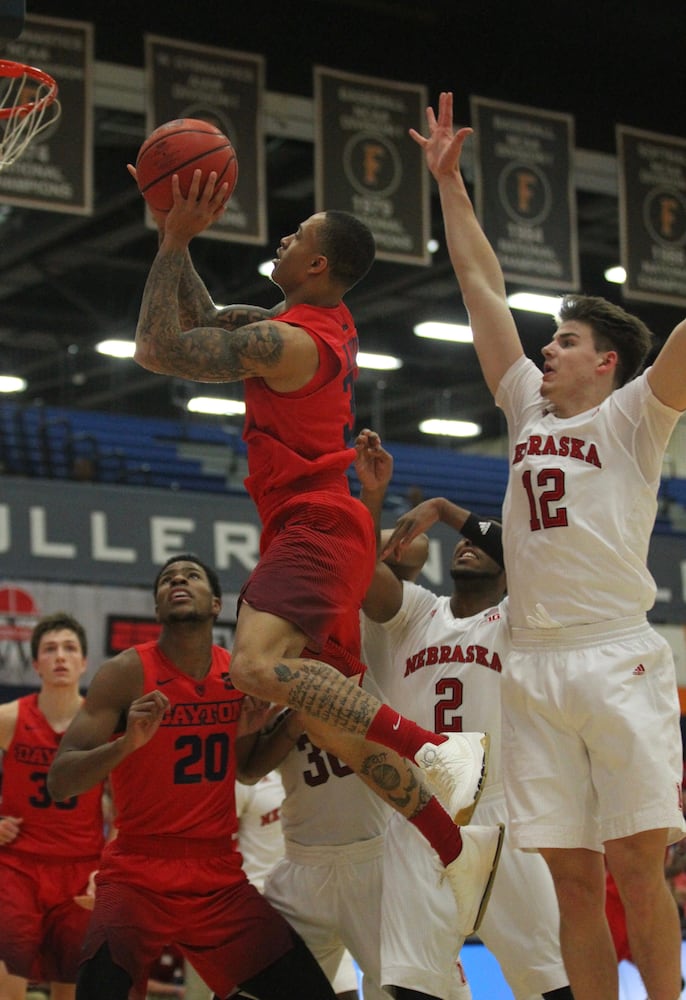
[318, 559]
[204, 907]
[41, 927]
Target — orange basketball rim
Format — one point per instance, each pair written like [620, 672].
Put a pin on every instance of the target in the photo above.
[28, 106]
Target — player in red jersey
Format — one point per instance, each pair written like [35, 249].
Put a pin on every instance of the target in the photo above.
[165, 720]
[297, 641]
[47, 848]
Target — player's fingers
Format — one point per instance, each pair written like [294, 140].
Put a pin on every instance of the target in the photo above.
[194, 186]
[210, 184]
[160, 701]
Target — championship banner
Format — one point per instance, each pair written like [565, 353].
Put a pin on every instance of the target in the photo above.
[226, 88]
[652, 215]
[55, 172]
[524, 191]
[366, 164]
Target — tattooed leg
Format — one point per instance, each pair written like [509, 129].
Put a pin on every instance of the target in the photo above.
[325, 694]
[383, 770]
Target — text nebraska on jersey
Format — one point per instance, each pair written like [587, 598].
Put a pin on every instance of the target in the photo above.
[566, 447]
[433, 655]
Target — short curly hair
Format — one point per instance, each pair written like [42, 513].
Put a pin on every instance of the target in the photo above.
[348, 245]
[191, 557]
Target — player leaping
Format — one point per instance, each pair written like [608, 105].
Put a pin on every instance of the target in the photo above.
[297, 635]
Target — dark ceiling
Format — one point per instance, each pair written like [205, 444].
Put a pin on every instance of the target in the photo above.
[67, 281]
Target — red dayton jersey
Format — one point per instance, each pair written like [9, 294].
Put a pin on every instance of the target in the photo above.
[181, 783]
[299, 440]
[69, 829]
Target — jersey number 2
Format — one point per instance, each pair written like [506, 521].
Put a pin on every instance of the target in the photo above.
[446, 718]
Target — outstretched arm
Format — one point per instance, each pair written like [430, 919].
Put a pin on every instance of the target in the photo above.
[667, 377]
[474, 261]
[374, 467]
[415, 522]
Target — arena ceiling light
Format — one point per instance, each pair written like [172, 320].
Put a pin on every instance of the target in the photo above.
[12, 383]
[534, 302]
[616, 274]
[216, 405]
[380, 362]
[450, 428]
[457, 333]
[115, 348]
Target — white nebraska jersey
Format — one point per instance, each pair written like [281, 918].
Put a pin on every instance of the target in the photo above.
[445, 673]
[441, 671]
[260, 839]
[582, 492]
[326, 803]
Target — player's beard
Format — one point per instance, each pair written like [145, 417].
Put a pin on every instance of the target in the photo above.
[469, 575]
[185, 615]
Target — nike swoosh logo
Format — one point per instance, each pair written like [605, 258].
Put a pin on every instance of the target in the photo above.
[167, 680]
[396, 725]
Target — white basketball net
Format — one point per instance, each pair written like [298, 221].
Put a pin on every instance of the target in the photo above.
[28, 106]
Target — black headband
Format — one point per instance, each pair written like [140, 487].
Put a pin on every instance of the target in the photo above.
[487, 535]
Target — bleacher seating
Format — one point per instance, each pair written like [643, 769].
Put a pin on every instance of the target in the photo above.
[474, 481]
[204, 455]
[48, 442]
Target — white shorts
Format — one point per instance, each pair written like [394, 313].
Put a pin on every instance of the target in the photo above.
[419, 939]
[591, 736]
[521, 924]
[345, 978]
[332, 897]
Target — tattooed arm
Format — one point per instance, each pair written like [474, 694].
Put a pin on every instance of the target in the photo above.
[226, 344]
[286, 356]
[196, 307]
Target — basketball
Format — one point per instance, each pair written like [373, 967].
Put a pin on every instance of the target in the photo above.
[181, 147]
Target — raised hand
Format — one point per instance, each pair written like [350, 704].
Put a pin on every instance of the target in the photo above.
[373, 464]
[415, 522]
[443, 147]
[159, 217]
[195, 212]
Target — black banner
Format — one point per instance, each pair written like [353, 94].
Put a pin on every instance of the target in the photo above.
[226, 88]
[365, 162]
[55, 172]
[652, 215]
[524, 191]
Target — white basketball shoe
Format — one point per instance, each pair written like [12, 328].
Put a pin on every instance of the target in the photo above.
[471, 874]
[456, 771]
